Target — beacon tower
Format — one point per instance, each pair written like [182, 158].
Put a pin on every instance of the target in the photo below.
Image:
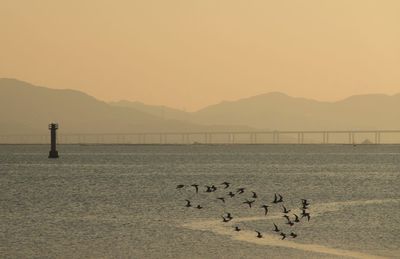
[53, 151]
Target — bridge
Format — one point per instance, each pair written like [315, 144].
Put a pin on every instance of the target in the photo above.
[223, 137]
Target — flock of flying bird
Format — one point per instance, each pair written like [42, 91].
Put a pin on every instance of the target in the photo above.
[278, 199]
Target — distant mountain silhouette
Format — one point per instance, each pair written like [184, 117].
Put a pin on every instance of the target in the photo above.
[25, 108]
[156, 110]
[278, 111]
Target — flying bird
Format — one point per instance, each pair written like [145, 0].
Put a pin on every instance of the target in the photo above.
[180, 186]
[283, 235]
[199, 207]
[276, 228]
[297, 218]
[254, 195]
[275, 199]
[280, 198]
[226, 184]
[304, 207]
[249, 202]
[259, 234]
[188, 204]
[290, 223]
[240, 190]
[306, 215]
[293, 235]
[305, 202]
[229, 216]
[265, 208]
[231, 194]
[195, 186]
[285, 210]
[225, 219]
[221, 199]
[237, 229]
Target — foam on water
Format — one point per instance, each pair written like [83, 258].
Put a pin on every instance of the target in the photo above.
[217, 227]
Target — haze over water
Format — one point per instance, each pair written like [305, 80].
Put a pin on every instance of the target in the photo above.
[120, 201]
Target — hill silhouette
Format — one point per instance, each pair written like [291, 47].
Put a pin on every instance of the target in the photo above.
[282, 112]
[278, 111]
[25, 108]
[156, 110]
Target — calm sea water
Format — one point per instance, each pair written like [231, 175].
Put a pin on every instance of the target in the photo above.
[121, 201]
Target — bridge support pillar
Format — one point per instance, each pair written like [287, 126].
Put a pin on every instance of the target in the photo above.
[253, 138]
[232, 138]
[377, 137]
[275, 137]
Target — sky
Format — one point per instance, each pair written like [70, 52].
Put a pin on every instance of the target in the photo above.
[189, 54]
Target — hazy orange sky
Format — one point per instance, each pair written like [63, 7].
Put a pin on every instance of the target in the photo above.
[191, 53]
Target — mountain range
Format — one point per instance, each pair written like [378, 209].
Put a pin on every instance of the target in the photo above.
[27, 109]
[278, 111]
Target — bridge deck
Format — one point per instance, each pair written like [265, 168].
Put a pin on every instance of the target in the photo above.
[221, 137]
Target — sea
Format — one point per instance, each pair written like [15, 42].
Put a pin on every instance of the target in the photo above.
[122, 201]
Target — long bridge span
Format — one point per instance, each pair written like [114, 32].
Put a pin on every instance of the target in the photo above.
[222, 137]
